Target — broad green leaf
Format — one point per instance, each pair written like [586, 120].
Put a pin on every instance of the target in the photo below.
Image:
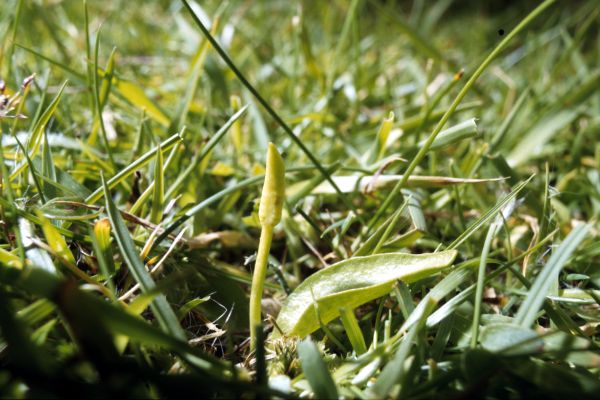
[351, 283]
[55, 240]
[315, 370]
[510, 339]
[9, 259]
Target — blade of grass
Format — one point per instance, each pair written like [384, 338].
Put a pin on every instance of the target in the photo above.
[88, 53]
[158, 198]
[98, 106]
[492, 232]
[395, 370]
[353, 330]
[48, 169]
[150, 189]
[316, 371]
[193, 77]
[11, 48]
[34, 173]
[160, 307]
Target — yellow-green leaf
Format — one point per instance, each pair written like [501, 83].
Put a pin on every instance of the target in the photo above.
[136, 96]
[351, 283]
[54, 238]
[9, 259]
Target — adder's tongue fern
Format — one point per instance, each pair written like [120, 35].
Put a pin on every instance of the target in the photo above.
[269, 214]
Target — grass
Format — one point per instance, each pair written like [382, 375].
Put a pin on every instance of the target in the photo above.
[439, 232]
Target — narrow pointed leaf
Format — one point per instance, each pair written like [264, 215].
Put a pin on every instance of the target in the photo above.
[316, 371]
[160, 307]
[159, 188]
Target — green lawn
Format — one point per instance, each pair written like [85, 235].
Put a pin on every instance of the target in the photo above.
[424, 223]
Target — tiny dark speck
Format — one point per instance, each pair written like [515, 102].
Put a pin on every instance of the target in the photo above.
[500, 31]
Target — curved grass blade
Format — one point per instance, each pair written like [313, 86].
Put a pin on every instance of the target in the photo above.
[160, 307]
[351, 283]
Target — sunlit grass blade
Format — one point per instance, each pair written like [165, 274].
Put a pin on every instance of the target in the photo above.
[353, 330]
[159, 188]
[161, 308]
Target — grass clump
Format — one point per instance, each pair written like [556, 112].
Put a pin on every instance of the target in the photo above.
[436, 236]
